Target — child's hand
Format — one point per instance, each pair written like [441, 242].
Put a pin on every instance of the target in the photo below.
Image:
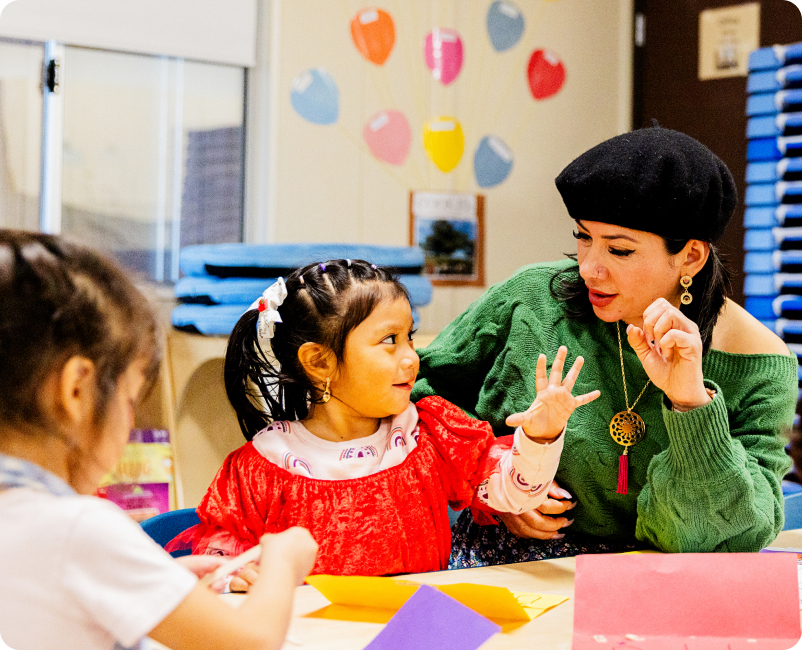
[294, 547]
[202, 565]
[546, 418]
[245, 578]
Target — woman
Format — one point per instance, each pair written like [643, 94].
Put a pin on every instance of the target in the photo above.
[683, 450]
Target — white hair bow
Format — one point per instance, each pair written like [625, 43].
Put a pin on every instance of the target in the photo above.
[268, 306]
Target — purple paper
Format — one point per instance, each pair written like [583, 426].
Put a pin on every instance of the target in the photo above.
[430, 619]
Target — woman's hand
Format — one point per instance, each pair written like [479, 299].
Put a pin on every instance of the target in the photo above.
[670, 348]
[542, 523]
[546, 418]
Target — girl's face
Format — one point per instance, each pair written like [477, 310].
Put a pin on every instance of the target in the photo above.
[624, 270]
[380, 363]
[116, 424]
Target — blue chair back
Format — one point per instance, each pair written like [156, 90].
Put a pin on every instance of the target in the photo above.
[793, 511]
[162, 528]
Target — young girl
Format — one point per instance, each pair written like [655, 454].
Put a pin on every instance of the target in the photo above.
[77, 344]
[319, 372]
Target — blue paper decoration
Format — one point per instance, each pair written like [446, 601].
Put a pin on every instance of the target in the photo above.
[505, 25]
[315, 96]
[492, 161]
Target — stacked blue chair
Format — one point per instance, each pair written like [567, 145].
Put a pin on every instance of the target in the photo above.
[773, 217]
[222, 280]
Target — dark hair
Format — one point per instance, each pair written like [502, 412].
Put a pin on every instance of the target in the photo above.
[58, 300]
[711, 286]
[324, 303]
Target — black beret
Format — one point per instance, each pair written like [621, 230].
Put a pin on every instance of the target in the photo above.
[654, 179]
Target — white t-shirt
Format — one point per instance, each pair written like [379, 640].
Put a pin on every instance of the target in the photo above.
[77, 573]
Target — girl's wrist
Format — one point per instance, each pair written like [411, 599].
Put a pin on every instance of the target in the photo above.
[543, 438]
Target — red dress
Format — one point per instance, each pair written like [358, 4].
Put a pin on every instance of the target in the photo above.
[394, 521]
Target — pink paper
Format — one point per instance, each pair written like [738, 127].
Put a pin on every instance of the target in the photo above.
[722, 601]
[388, 136]
[443, 54]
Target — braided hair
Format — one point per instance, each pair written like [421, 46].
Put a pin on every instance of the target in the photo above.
[324, 303]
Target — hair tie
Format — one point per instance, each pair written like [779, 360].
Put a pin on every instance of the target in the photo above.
[268, 305]
[349, 263]
[373, 266]
[322, 268]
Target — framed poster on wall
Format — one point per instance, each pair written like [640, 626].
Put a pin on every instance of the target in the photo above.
[449, 228]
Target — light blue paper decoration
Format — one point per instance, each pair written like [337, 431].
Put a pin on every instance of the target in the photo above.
[315, 96]
[492, 161]
[505, 25]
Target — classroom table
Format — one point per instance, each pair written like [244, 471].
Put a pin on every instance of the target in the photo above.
[550, 631]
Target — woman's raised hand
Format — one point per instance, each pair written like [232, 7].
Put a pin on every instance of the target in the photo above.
[546, 418]
[670, 348]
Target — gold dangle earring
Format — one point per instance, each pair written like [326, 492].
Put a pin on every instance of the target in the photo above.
[326, 393]
[686, 298]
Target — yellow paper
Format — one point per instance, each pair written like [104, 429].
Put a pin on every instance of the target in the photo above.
[376, 598]
[444, 141]
[364, 591]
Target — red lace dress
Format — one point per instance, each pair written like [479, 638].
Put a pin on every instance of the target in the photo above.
[394, 521]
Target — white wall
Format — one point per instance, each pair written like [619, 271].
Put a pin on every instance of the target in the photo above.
[324, 185]
[207, 30]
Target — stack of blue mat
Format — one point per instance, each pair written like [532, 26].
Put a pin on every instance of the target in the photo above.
[773, 200]
[222, 280]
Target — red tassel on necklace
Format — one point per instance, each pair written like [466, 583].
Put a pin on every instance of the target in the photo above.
[623, 472]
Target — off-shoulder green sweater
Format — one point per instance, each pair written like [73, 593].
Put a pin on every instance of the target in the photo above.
[701, 481]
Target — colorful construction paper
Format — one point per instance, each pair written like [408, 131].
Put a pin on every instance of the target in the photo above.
[545, 74]
[442, 52]
[430, 619]
[373, 33]
[370, 598]
[505, 25]
[694, 601]
[444, 142]
[388, 136]
[492, 161]
[315, 96]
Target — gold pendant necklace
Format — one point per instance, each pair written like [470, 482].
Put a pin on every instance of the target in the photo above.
[627, 427]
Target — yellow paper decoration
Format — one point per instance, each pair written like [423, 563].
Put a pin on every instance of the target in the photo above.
[444, 142]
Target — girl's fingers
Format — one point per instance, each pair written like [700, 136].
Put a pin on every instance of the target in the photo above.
[556, 376]
[586, 398]
[541, 380]
[573, 373]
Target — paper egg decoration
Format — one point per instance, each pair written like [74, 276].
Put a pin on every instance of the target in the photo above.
[444, 142]
[443, 54]
[388, 136]
[373, 32]
[492, 161]
[546, 74]
[315, 96]
[505, 25]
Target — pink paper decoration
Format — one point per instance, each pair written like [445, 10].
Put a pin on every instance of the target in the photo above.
[388, 136]
[545, 74]
[443, 54]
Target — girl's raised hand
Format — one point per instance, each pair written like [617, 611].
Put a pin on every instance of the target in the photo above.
[670, 348]
[546, 418]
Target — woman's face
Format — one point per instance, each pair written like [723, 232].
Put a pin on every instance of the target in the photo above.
[624, 270]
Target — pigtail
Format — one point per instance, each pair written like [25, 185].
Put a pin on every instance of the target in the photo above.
[244, 369]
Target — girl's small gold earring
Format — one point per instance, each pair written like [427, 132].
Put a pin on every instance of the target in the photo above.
[326, 393]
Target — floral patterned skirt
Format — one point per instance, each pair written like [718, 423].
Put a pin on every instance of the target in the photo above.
[473, 545]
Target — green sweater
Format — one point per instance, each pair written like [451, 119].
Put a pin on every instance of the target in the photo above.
[701, 481]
